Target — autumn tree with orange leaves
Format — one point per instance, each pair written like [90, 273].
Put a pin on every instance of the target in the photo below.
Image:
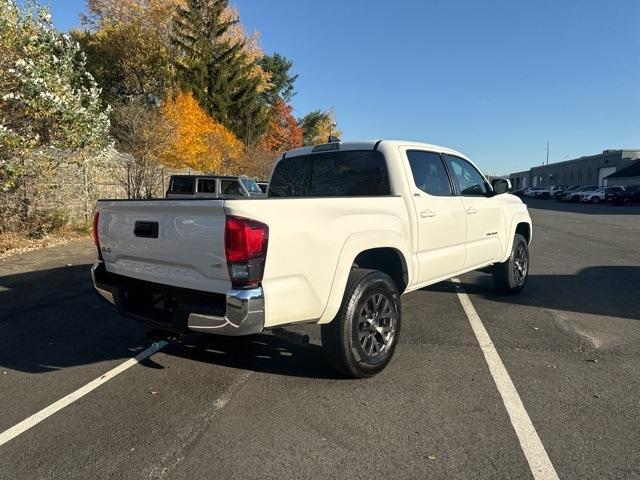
[198, 142]
[283, 132]
[191, 67]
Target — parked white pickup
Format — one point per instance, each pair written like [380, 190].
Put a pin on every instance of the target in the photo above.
[346, 229]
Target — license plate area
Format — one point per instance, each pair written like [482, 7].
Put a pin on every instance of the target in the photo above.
[153, 304]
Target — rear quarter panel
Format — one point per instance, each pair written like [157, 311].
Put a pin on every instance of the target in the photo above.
[312, 245]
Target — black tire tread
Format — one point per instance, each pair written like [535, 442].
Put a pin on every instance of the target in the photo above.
[501, 279]
[336, 334]
[333, 338]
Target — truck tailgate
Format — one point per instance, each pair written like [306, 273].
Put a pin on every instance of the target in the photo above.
[172, 242]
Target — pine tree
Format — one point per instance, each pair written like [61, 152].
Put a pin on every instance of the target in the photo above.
[281, 81]
[217, 70]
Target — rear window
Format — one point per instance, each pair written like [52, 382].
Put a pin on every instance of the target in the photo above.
[181, 185]
[331, 174]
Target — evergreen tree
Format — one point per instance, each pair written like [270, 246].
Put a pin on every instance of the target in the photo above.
[216, 69]
[281, 82]
[317, 126]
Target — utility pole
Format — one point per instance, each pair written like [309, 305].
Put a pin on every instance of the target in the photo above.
[547, 152]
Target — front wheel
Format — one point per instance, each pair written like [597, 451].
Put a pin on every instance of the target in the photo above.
[360, 341]
[511, 276]
[595, 200]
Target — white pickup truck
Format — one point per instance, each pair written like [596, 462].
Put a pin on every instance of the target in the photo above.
[346, 228]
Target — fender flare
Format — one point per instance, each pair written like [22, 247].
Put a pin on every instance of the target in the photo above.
[515, 221]
[352, 247]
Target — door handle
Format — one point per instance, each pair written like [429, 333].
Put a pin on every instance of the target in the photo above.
[471, 210]
[427, 213]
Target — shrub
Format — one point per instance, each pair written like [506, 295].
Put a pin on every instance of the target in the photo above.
[43, 222]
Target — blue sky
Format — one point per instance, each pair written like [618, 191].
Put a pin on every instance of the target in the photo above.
[495, 79]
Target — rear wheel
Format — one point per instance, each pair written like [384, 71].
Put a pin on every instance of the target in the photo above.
[361, 339]
[511, 276]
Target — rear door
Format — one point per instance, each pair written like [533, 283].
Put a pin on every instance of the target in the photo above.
[485, 218]
[173, 242]
[440, 216]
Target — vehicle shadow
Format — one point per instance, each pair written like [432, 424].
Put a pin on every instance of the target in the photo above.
[611, 291]
[585, 208]
[259, 353]
[52, 319]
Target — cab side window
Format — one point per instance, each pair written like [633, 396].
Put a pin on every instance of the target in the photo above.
[230, 187]
[429, 173]
[469, 180]
[206, 185]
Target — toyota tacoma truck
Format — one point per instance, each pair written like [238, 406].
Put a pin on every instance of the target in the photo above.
[346, 228]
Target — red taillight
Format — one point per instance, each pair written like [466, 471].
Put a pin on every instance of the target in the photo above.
[96, 237]
[245, 243]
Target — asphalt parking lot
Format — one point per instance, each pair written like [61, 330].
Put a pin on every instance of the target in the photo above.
[257, 407]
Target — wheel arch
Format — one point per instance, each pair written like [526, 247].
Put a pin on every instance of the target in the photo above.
[524, 229]
[388, 260]
[388, 254]
[520, 224]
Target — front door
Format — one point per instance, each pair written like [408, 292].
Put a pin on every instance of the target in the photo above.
[441, 219]
[485, 218]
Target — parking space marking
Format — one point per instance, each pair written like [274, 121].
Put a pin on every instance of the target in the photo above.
[535, 453]
[172, 457]
[46, 412]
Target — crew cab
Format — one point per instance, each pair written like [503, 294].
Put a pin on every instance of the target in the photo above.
[345, 230]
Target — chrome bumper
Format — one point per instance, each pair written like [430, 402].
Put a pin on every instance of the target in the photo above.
[244, 315]
[244, 309]
[104, 293]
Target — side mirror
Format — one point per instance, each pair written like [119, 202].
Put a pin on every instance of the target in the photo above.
[501, 185]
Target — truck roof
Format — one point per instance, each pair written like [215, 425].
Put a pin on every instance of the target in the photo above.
[207, 175]
[369, 145]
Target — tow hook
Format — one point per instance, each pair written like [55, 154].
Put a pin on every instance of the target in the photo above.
[291, 337]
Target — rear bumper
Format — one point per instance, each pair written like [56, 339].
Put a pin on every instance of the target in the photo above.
[239, 312]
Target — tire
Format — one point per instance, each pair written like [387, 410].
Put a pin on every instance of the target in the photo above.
[595, 200]
[369, 317]
[511, 276]
[626, 202]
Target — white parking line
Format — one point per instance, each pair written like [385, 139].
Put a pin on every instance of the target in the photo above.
[46, 412]
[539, 463]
